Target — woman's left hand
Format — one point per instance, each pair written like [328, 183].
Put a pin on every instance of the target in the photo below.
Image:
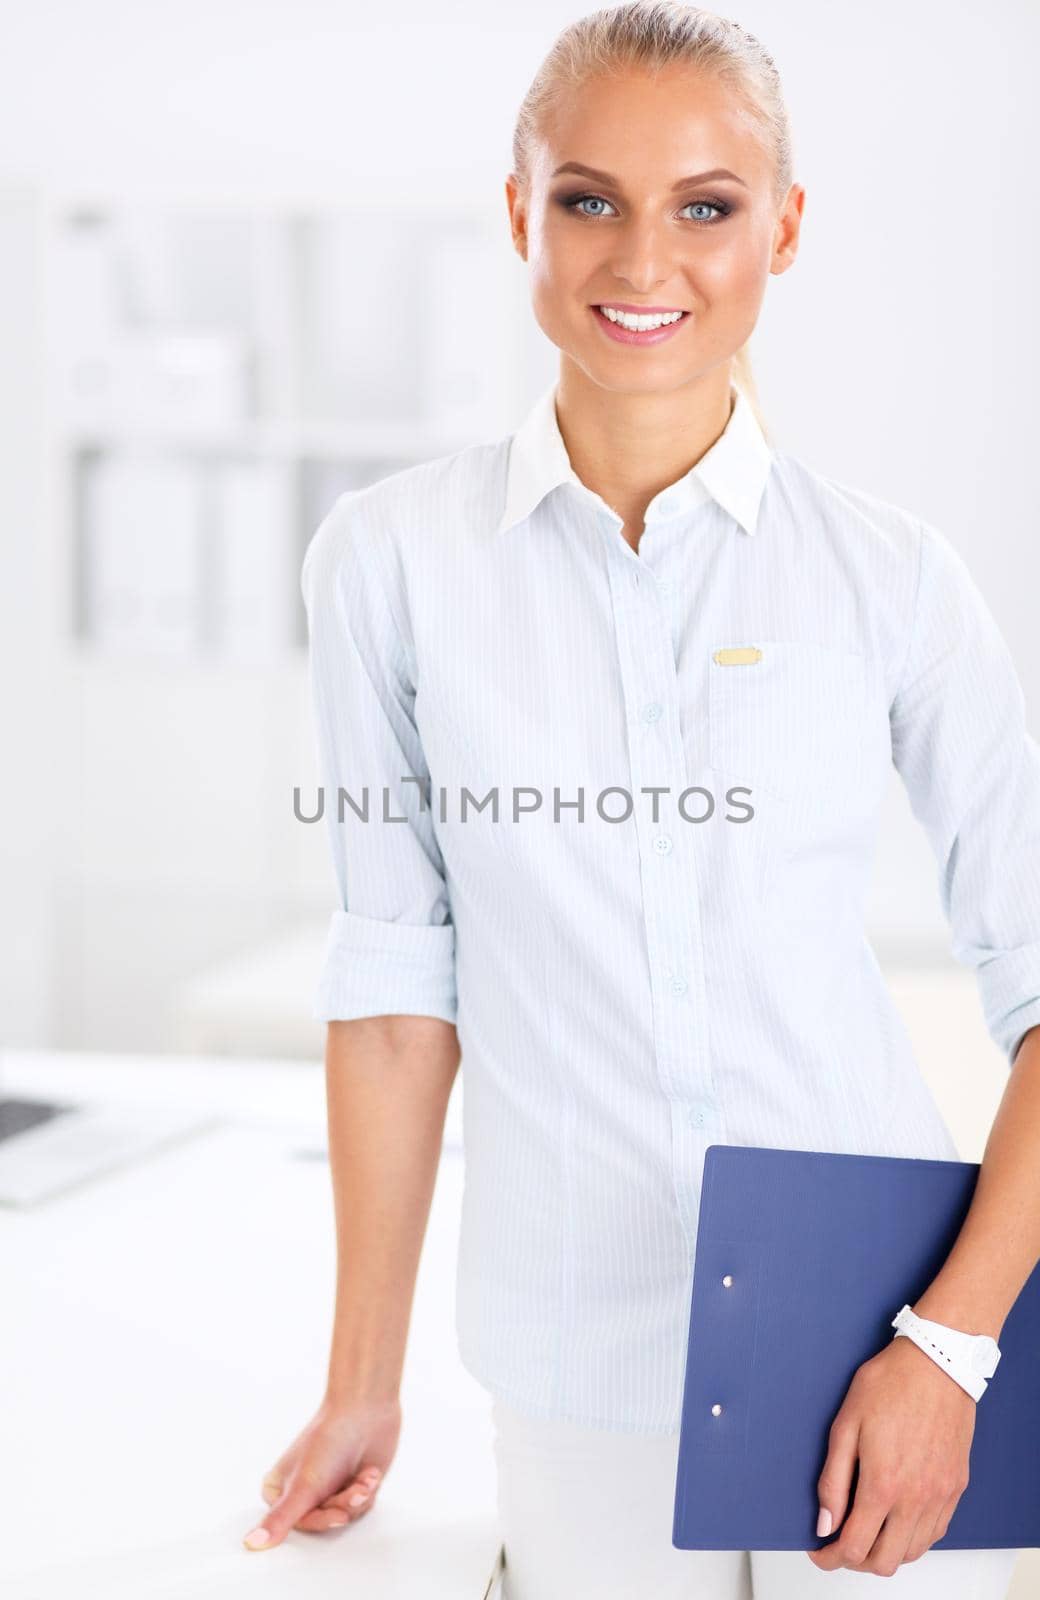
[911, 1426]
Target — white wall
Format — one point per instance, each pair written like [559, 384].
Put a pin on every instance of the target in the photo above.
[31, 716]
[896, 356]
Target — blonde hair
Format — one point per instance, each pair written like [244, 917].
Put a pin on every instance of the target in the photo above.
[653, 34]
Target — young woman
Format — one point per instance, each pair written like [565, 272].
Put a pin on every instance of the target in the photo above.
[623, 690]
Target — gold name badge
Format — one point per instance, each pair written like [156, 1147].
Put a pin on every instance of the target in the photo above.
[737, 655]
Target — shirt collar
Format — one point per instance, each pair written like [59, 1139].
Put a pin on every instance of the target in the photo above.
[732, 472]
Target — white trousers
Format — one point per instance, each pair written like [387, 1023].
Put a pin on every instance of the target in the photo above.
[586, 1514]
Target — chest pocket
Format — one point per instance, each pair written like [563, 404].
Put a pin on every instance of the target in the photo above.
[786, 716]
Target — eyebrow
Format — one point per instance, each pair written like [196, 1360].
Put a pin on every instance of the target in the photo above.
[683, 183]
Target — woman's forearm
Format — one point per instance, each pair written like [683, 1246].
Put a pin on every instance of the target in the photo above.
[388, 1080]
[999, 1243]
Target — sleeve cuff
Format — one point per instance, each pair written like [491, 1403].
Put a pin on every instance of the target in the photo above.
[1009, 986]
[374, 968]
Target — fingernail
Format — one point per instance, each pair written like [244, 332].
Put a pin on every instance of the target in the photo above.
[356, 1500]
[338, 1522]
[823, 1523]
[258, 1537]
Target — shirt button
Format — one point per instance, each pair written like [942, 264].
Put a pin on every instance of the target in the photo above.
[635, 580]
[662, 844]
[651, 712]
[678, 986]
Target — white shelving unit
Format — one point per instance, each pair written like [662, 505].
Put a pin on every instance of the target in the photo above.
[216, 375]
[219, 376]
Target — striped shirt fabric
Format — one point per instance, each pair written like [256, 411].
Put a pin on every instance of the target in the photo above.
[621, 812]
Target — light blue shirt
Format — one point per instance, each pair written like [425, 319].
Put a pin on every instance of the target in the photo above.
[627, 992]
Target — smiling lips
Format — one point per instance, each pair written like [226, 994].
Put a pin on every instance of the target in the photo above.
[639, 324]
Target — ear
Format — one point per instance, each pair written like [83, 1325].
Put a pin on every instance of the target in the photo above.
[517, 216]
[788, 229]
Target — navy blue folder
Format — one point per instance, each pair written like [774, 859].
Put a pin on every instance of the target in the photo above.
[822, 1249]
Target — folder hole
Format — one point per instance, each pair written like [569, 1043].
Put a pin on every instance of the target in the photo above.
[727, 1282]
[716, 1410]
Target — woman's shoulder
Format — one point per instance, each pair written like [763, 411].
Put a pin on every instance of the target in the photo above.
[426, 502]
[850, 516]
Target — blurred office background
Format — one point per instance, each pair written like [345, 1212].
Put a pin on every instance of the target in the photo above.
[251, 255]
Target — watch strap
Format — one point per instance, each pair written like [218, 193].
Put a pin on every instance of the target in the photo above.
[967, 1358]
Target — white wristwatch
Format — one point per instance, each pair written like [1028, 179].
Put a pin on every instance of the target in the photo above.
[969, 1358]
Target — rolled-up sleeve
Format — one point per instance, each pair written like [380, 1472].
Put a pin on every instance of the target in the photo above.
[391, 942]
[972, 774]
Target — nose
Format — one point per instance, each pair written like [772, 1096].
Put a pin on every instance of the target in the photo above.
[642, 257]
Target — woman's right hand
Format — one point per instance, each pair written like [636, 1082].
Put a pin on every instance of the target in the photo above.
[342, 1453]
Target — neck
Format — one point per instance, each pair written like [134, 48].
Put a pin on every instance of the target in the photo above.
[628, 447]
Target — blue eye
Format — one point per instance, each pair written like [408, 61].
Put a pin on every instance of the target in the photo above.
[711, 205]
[582, 198]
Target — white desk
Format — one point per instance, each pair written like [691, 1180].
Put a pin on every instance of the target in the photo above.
[164, 1336]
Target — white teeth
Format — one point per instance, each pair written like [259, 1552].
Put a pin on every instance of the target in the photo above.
[640, 323]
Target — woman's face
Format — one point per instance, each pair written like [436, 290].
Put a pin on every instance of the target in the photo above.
[651, 223]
